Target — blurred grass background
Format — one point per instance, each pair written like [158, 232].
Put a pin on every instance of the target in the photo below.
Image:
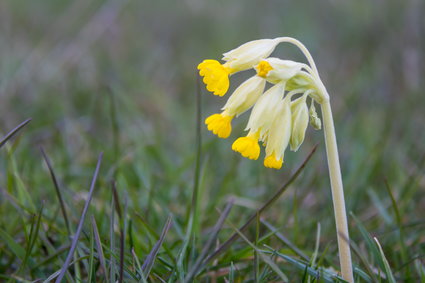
[120, 77]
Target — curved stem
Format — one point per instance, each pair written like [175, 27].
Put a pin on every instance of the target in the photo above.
[314, 73]
[337, 193]
[303, 49]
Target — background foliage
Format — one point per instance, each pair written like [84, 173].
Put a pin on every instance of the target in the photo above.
[119, 77]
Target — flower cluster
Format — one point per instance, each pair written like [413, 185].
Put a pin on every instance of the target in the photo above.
[280, 115]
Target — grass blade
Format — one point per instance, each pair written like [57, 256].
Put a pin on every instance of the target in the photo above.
[122, 238]
[80, 224]
[387, 268]
[265, 258]
[91, 257]
[14, 131]
[99, 247]
[17, 249]
[273, 199]
[285, 240]
[57, 189]
[112, 243]
[369, 242]
[35, 228]
[150, 259]
[210, 242]
[303, 266]
[138, 267]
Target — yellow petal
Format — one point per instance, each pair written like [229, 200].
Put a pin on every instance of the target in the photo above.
[272, 162]
[247, 146]
[216, 76]
[220, 125]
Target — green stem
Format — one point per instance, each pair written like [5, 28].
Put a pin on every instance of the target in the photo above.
[337, 193]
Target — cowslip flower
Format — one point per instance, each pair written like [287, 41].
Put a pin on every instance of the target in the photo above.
[279, 135]
[276, 70]
[260, 121]
[216, 75]
[265, 110]
[242, 99]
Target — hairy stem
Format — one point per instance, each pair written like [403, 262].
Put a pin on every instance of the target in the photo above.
[337, 193]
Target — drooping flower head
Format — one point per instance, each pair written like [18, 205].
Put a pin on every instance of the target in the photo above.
[276, 120]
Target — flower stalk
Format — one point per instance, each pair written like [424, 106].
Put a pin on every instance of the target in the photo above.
[337, 193]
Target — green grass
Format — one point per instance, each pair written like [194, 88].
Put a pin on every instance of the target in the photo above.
[171, 202]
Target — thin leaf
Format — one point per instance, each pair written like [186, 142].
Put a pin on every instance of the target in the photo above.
[266, 259]
[285, 240]
[138, 266]
[57, 189]
[272, 200]
[80, 224]
[150, 259]
[99, 246]
[14, 131]
[91, 256]
[32, 239]
[16, 248]
[305, 266]
[387, 268]
[122, 237]
[210, 242]
[369, 242]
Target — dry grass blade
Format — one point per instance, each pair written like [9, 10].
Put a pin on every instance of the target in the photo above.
[14, 131]
[275, 197]
[80, 224]
[57, 189]
[210, 241]
[150, 259]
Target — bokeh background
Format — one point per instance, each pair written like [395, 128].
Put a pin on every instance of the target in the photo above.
[119, 76]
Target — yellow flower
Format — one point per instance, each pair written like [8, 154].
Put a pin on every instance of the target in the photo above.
[279, 135]
[216, 76]
[273, 162]
[248, 146]
[220, 125]
[246, 56]
[263, 68]
[241, 100]
[300, 119]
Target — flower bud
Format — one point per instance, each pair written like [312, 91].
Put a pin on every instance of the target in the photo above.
[315, 121]
[299, 111]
